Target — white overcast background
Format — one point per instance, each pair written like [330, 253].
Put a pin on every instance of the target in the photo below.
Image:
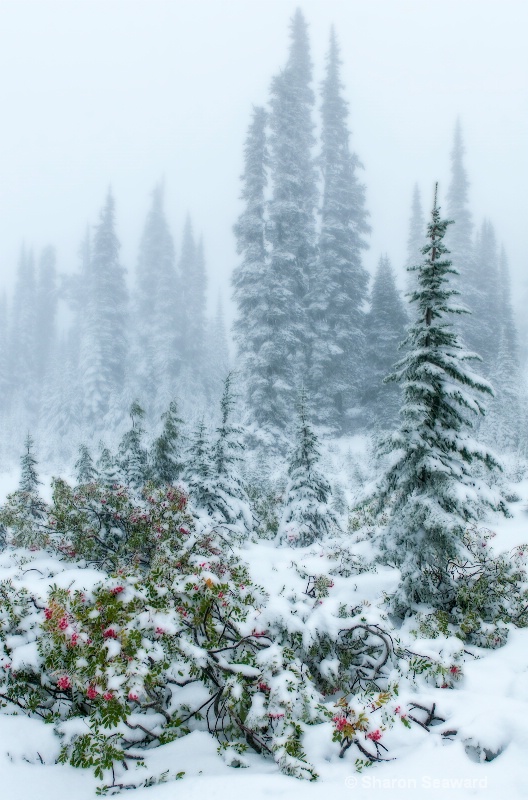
[126, 92]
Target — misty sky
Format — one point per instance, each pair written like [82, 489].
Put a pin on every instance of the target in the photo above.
[126, 92]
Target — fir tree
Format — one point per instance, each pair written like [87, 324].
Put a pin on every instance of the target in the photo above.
[166, 458]
[338, 288]
[85, 471]
[23, 357]
[230, 498]
[107, 467]
[132, 455]
[459, 240]
[32, 505]
[486, 298]
[156, 355]
[291, 228]
[306, 514]
[432, 490]
[46, 311]
[199, 470]
[415, 238]
[385, 328]
[105, 347]
[193, 284]
[503, 423]
[218, 361]
[252, 329]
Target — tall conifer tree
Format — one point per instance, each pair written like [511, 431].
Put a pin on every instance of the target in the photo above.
[338, 287]
[105, 349]
[385, 327]
[291, 227]
[22, 350]
[459, 240]
[431, 484]
[252, 328]
[155, 356]
[46, 312]
[415, 238]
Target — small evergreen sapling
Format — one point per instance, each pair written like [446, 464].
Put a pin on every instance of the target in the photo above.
[85, 471]
[166, 457]
[306, 515]
[24, 512]
[132, 456]
[431, 486]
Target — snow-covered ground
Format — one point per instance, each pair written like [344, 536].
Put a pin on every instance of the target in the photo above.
[488, 708]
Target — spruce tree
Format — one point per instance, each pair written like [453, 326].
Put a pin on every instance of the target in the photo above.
[431, 488]
[385, 329]
[291, 228]
[306, 514]
[338, 287]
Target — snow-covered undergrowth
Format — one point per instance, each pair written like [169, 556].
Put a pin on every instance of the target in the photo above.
[219, 653]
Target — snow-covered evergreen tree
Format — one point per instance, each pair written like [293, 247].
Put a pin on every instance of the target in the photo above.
[306, 513]
[459, 240]
[415, 238]
[487, 297]
[85, 471]
[505, 419]
[22, 349]
[107, 467]
[252, 329]
[212, 469]
[46, 312]
[31, 502]
[193, 286]
[166, 456]
[105, 347]
[199, 470]
[431, 488]
[338, 287]
[132, 454]
[155, 346]
[291, 228]
[217, 364]
[385, 329]
[229, 493]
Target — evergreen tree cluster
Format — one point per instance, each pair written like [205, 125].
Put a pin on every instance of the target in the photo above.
[301, 286]
[149, 337]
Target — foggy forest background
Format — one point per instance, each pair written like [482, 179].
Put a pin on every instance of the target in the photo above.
[77, 349]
